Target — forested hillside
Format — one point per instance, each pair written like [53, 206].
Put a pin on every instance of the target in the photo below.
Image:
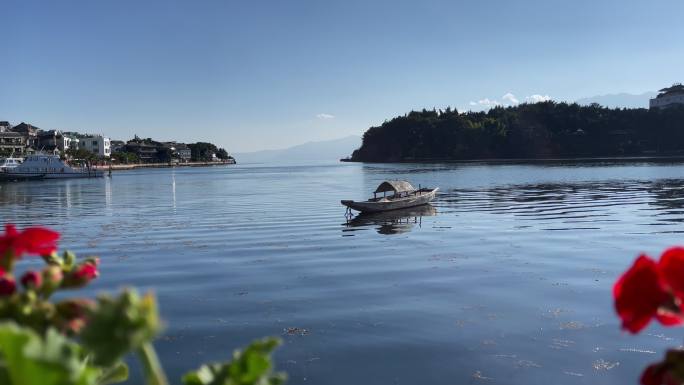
[539, 130]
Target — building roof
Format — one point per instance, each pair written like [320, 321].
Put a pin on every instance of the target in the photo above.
[395, 185]
[676, 88]
[25, 127]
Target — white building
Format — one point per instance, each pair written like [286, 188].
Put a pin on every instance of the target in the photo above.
[97, 144]
[668, 97]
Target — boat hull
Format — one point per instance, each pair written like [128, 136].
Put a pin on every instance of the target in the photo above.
[15, 176]
[423, 197]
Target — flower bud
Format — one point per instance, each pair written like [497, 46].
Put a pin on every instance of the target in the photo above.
[52, 275]
[32, 280]
[81, 275]
[73, 314]
[7, 285]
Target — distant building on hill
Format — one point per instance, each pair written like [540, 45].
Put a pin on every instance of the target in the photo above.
[5, 126]
[669, 97]
[97, 144]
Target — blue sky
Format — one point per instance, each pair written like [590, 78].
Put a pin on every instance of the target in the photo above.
[256, 74]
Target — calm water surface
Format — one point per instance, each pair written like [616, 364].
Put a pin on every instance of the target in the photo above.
[507, 280]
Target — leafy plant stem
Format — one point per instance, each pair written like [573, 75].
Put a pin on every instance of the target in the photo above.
[154, 374]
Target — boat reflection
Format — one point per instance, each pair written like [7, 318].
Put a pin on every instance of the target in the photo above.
[392, 222]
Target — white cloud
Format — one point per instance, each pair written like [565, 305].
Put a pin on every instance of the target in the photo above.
[536, 98]
[486, 103]
[510, 98]
[325, 116]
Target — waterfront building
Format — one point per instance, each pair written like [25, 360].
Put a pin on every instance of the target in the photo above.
[183, 152]
[117, 145]
[668, 97]
[146, 151]
[179, 152]
[97, 144]
[12, 143]
[29, 132]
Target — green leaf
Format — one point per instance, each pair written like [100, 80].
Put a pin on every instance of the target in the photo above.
[119, 326]
[253, 366]
[29, 359]
[115, 374]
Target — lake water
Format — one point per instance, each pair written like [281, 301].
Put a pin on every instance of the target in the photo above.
[506, 281]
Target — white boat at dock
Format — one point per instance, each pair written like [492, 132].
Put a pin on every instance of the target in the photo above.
[403, 195]
[47, 166]
[9, 163]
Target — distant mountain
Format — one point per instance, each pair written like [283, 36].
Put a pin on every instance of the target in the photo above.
[622, 100]
[311, 151]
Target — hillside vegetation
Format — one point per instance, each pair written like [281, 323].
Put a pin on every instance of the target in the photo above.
[540, 130]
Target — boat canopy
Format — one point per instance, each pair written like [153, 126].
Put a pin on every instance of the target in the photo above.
[398, 186]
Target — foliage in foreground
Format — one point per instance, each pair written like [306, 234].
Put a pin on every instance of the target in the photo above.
[83, 342]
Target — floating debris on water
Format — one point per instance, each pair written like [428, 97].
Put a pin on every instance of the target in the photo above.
[602, 364]
[572, 325]
[294, 331]
[479, 376]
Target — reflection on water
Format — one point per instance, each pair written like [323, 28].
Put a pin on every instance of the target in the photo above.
[579, 205]
[391, 222]
[509, 284]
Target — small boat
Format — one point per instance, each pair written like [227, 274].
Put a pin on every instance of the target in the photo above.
[47, 166]
[9, 163]
[403, 195]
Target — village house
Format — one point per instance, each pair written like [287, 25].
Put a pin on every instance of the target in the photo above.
[12, 143]
[29, 132]
[5, 126]
[97, 144]
[668, 97]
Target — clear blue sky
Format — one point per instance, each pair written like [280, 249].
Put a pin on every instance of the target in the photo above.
[256, 74]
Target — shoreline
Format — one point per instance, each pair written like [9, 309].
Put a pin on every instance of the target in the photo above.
[132, 166]
[531, 160]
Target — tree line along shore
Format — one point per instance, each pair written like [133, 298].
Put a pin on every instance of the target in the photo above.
[528, 131]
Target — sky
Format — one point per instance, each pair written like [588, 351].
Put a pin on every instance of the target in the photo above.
[256, 74]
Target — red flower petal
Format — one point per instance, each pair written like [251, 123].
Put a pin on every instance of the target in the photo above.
[668, 318]
[638, 293]
[653, 375]
[38, 240]
[34, 240]
[671, 266]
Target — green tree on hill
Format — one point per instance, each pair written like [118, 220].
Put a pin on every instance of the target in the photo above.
[540, 130]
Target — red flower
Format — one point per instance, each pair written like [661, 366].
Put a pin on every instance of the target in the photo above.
[32, 279]
[33, 240]
[86, 271]
[671, 267]
[7, 285]
[81, 275]
[638, 294]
